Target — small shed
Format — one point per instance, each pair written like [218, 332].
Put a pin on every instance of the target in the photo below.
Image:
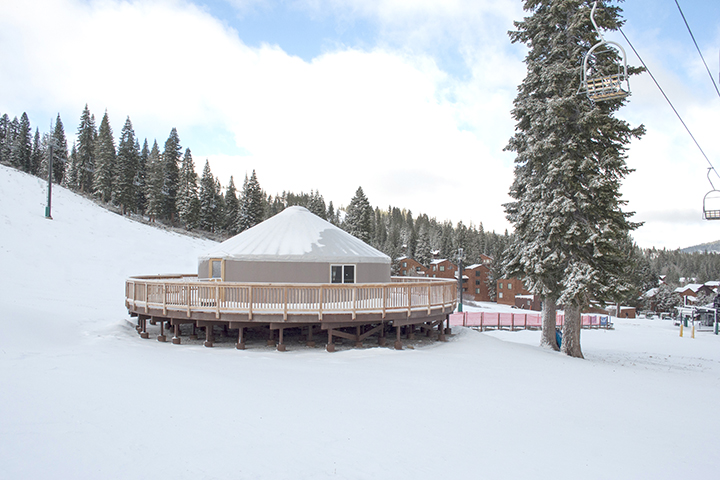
[295, 246]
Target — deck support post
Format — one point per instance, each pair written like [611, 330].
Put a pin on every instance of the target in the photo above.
[310, 341]
[330, 347]
[208, 335]
[144, 333]
[162, 337]
[381, 338]
[441, 332]
[398, 343]
[281, 345]
[176, 335]
[410, 331]
[193, 335]
[240, 345]
[358, 342]
[271, 338]
[448, 330]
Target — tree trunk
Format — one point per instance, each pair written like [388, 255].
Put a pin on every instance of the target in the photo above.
[571, 330]
[549, 315]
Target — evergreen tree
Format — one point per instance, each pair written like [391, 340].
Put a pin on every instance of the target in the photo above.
[60, 151]
[141, 178]
[36, 157]
[187, 201]
[105, 156]
[208, 200]
[71, 179]
[128, 161]
[570, 161]
[5, 139]
[317, 205]
[84, 166]
[423, 251]
[358, 221]
[154, 183]
[21, 152]
[252, 204]
[171, 175]
[232, 209]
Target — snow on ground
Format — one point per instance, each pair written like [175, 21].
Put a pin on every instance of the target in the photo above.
[83, 397]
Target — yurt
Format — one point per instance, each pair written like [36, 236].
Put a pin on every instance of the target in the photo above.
[295, 246]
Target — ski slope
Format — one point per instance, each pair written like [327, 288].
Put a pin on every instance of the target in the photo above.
[83, 397]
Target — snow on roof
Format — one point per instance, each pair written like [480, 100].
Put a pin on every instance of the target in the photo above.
[297, 235]
[694, 287]
[475, 265]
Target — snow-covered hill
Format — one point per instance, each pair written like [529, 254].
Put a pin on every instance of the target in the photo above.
[83, 397]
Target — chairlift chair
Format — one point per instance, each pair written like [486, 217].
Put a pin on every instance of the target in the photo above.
[597, 86]
[711, 202]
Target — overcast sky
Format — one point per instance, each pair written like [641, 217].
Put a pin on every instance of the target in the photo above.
[409, 99]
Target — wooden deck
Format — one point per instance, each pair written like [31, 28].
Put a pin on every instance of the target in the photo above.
[182, 299]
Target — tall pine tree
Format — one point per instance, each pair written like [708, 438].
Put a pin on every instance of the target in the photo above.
[187, 199]
[60, 151]
[128, 160]
[105, 156]
[83, 167]
[359, 219]
[171, 175]
[570, 160]
[252, 204]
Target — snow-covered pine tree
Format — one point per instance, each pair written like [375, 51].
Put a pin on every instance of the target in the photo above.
[187, 198]
[5, 140]
[252, 204]
[22, 145]
[141, 178]
[128, 160]
[105, 156]
[566, 206]
[208, 200]
[36, 157]
[232, 209]
[84, 166]
[60, 151]
[317, 205]
[154, 183]
[423, 251]
[359, 217]
[171, 175]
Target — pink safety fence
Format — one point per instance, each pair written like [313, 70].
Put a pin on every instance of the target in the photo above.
[512, 320]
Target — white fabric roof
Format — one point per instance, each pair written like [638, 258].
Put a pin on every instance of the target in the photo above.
[297, 235]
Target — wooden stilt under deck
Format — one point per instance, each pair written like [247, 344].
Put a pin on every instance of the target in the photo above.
[330, 347]
[208, 335]
[176, 335]
[381, 338]
[358, 339]
[144, 333]
[240, 345]
[398, 343]
[162, 337]
[271, 338]
[281, 345]
[441, 333]
[193, 335]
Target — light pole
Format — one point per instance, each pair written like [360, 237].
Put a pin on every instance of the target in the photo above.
[460, 278]
[48, 209]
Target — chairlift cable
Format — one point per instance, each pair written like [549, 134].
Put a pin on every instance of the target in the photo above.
[669, 102]
[712, 79]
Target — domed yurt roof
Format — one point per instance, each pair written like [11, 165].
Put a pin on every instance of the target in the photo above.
[297, 235]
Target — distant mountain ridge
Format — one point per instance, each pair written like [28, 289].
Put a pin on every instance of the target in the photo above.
[703, 247]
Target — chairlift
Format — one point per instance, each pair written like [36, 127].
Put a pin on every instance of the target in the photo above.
[711, 202]
[600, 87]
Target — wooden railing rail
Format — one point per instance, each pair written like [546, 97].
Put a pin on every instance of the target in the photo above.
[186, 293]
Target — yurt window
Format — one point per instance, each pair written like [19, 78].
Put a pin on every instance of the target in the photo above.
[342, 273]
[216, 269]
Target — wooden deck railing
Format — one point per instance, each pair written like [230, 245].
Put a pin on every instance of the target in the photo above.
[185, 293]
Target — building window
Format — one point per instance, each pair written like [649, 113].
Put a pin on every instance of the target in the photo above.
[216, 269]
[405, 264]
[405, 272]
[477, 291]
[442, 268]
[342, 274]
[500, 286]
[477, 282]
[477, 273]
[509, 286]
[500, 295]
[434, 267]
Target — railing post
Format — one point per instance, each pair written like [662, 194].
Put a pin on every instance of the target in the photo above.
[285, 303]
[429, 291]
[384, 304]
[320, 306]
[354, 301]
[409, 299]
[164, 304]
[250, 306]
[217, 301]
[189, 294]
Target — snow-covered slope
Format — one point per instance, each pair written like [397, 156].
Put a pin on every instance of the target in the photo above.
[83, 397]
